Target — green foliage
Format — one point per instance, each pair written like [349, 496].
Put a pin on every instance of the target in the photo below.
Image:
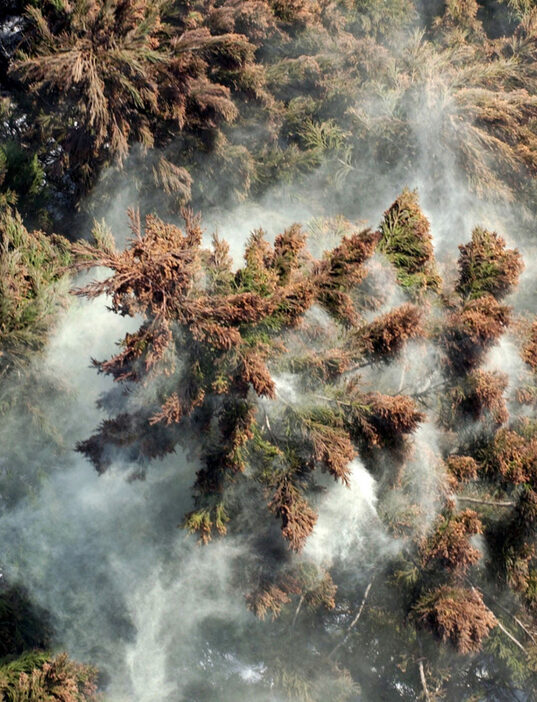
[32, 287]
[239, 100]
[338, 101]
[297, 687]
[379, 18]
[22, 180]
[207, 522]
[487, 267]
[407, 243]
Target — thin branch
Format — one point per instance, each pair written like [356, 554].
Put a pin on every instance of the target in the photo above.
[423, 393]
[524, 629]
[422, 402]
[354, 621]
[423, 679]
[300, 603]
[267, 424]
[492, 503]
[347, 165]
[508, 634]
[402, 379]
[333, 399]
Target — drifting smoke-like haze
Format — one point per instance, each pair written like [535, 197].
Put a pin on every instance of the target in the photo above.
[126, 588]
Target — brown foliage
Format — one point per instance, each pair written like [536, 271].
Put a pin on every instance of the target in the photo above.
[341, 270]
[271, 597]
[471, 330]
[296, 301]
[250, 17]
[254, 372]
[383, 420]
[526, 394]
[340, 306]
[315, 586]
[171, 411]
[386, 335]
[529, 350]
[322, 593]
[321, 366]
[297, 517]
[512, 457]
[456, 615]
[220, 337]
[205, 521]
[461, 469]
[154, 274]
[333, 448]
[343, 266]
[479, 394]
[115, 74]
[449, 543]
[141, 351]
[287, 249]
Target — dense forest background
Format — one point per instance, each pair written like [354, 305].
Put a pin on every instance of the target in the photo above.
[268, 350]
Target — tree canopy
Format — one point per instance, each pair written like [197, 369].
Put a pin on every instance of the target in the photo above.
[339, 416]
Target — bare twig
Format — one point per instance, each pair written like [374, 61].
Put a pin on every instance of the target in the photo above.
[333, 399]
[300, 603]
[402, 379]
[492, 503]
[509, 635]
[423, 679]
[267, 424]
[524, 629]
[354, 621]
